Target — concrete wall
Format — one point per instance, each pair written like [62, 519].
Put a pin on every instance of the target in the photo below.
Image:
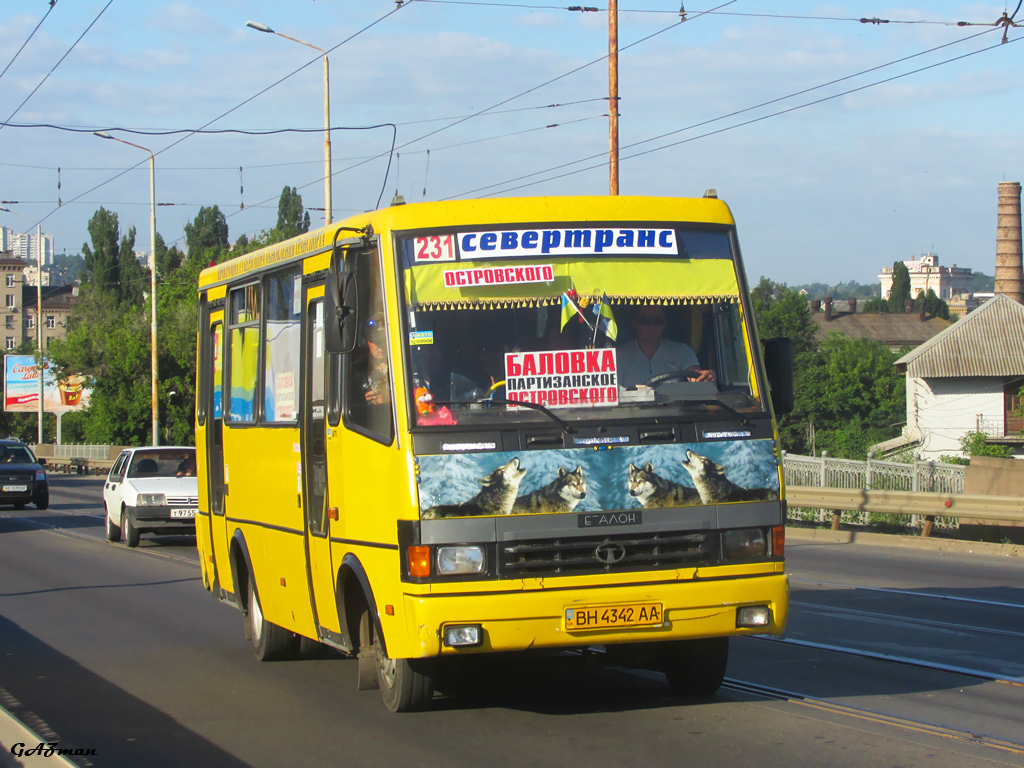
[989, 476]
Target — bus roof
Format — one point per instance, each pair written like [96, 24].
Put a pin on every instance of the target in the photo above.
[488, 211]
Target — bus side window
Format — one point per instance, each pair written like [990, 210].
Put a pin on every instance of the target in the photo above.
[367, 389]
[243, 354]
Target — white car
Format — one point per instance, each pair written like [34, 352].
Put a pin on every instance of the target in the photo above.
[151, 490]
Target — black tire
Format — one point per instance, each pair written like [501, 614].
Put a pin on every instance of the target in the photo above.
[113, 531]
[131, 533]
[269, 641]
[42, 501]
[696, 667]
[406, 685]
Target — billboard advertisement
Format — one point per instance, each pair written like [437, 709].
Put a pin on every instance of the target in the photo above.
[21, 388]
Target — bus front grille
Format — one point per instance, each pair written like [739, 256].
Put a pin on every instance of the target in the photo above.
[606, 554]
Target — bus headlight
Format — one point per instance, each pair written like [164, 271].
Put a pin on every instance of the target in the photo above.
[151, 500]
[463, 635]
[752, 616]
[744, 543]
[460, 561]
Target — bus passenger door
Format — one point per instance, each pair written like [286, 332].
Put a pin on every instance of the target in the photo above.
[313, 425]
[216, 487]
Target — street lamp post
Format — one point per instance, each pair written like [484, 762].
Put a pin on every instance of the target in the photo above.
[39, 314]
[327, 111]
[152, 276]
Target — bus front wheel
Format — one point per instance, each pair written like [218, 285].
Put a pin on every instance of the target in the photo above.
[406, 685]
[696, 667]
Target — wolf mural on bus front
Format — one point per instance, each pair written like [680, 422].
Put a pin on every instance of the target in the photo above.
[588, 480]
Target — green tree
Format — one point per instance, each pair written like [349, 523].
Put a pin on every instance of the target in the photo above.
[782, 311]
[860, 397]
[108, 340]
[933, 305]
[206, 237]
[102, 260]
[133, 279]
[292, 217]
[167, 259]
[976, 444]
[900, 293]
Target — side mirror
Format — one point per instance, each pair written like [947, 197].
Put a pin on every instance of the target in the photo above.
[778, 365]
[42, 462]
[341, 307]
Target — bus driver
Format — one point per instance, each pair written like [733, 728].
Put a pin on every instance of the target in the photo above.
[650, 355]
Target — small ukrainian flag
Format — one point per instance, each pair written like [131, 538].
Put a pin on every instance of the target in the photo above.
[569, 309]
[605, 318]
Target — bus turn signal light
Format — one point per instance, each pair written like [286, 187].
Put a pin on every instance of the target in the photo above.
[419, 562]
[779, 541]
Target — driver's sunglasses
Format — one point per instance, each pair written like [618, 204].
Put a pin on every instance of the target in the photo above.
[652, 321]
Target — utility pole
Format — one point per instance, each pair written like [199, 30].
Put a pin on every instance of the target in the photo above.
[613, 97]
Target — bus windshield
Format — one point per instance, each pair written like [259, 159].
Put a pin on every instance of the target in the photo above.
[584, 321]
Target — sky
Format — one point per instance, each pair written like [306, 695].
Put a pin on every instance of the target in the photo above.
[840, 146]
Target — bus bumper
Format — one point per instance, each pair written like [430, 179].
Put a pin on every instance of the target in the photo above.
[515, 621]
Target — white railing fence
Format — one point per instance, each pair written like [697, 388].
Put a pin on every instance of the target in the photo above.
[826, 472]
[79, 451]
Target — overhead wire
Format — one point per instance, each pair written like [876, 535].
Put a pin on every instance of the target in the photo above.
[733, 114]
[29, 38]
[512, 98]
[59, 62]
[241, 104]
[143, 132]
[786, 16]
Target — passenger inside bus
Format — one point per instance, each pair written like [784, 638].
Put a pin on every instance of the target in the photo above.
[650, 355]
[378, 392]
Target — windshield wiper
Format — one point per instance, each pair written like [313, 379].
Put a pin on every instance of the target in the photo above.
[739, 416]
[566, 427]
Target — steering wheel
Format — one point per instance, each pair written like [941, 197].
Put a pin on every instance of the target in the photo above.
[661, 378]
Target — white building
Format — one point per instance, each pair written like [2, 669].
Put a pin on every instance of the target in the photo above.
[26, 245]
[967, 379]
[926, 273]
[30, 276]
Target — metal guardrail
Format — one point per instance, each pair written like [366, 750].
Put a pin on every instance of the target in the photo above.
[79, 465]
[929, 505]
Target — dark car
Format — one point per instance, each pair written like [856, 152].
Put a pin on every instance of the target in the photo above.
[22, 476]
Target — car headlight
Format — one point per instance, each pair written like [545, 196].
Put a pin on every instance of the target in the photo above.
[743, 543]
[458, 561]
[151, 500]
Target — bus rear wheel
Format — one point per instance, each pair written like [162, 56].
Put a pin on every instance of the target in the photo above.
[406, 685]
[269, 641]
[695, 667]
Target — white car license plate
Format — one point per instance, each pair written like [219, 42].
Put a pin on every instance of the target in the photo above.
[14, 488]
[183, 513]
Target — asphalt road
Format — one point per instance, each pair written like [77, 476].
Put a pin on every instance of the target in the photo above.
[122, 651]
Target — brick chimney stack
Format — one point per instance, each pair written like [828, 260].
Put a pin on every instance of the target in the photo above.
[1009, 267]
[828, 309]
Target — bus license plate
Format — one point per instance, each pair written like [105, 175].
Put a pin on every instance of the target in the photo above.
[183, 513]
[613, 616]
[15, 488]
